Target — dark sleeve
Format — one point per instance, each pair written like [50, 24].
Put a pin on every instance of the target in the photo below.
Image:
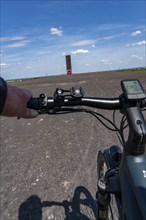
[3, 93]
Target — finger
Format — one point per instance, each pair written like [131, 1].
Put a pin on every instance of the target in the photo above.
[31, 113]
[34, 113]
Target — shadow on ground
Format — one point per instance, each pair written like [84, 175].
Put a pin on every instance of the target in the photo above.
[32, 208]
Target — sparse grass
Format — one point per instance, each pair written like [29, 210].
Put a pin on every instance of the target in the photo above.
[140, 69]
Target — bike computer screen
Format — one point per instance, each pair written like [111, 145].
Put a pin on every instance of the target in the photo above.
[133, 89]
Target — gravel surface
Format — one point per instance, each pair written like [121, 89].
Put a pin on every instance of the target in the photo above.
[47, 158]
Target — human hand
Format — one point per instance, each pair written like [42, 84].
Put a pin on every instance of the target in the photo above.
[16, 103]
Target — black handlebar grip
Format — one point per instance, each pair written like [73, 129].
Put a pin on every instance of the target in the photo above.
[33, 103]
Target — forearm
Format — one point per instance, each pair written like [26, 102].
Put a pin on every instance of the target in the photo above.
[13, 101]
[3, 93]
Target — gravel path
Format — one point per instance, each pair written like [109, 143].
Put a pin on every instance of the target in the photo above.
[46, 158]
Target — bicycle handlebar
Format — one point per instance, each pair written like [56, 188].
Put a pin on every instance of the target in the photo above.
[103, 103]
[44, 103]
[33, 103]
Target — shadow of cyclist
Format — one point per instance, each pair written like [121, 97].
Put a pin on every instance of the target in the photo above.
[31, 209]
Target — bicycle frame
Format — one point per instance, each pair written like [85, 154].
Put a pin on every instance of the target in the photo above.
[133, 165]
[133, 186]
[130, 183]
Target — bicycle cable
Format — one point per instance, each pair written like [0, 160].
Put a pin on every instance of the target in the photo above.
[98, 116]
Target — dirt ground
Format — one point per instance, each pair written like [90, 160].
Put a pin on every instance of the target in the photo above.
[47, 158]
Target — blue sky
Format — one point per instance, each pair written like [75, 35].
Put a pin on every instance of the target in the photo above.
[99, 35]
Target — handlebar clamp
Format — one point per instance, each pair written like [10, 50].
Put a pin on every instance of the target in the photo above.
[43, 102]
[75, 92]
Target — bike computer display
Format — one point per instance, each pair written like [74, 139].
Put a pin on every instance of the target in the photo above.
[133, 89]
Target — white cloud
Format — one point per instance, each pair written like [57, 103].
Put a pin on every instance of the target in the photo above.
[124, 61]
[140, 43]
[56, 31]
[43, 52]
[109, 37]
[13, 38]
[17, 44]
[14, 45]
[112, 26]
[93, 45]
[136, 33]
[28, 67]
[83, 43]
[80, 51]
[104, 61]
[3, 39]
[4, 65]
[136, 57]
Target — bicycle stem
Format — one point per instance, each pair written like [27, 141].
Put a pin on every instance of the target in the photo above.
[136, 142]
